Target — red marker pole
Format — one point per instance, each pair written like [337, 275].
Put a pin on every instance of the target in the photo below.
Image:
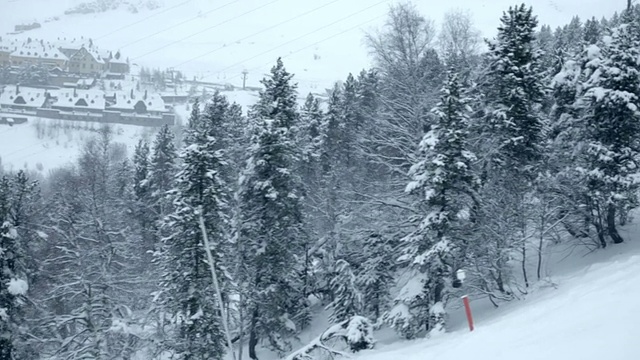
[467, 309]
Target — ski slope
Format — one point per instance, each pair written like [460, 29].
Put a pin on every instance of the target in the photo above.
[589, 313]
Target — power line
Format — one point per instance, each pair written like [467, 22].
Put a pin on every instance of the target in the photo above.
[142, 20]
[178, 24]
[207, 29]
[311, 45]
[299, 37]
[260, 32]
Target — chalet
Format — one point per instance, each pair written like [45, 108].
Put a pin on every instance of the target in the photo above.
[18, 98]
[90, 101]
[70, 47]
[137, 103]
[86, 61]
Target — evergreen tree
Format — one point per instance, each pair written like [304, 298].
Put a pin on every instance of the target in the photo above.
[141, 170]
[272, 225]
[376, 275]
[187, 287]
[16, 197]
[348, 299]
[592, 31]
[610, 104]
[162, 170]
[514, 133]
[445, 178]
[514, 90]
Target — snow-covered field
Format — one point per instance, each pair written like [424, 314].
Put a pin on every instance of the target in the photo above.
[44, 144]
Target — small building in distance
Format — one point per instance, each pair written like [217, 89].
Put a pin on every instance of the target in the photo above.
[18, 98]
[37, 53]
[86, 61]
[73, 100]
[136, 103]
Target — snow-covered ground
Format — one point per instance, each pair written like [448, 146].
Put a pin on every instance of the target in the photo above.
[44, 144]
[586, 309]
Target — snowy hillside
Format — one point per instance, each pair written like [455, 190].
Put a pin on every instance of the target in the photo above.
[583, 309]
[321, 41]
[587, 311]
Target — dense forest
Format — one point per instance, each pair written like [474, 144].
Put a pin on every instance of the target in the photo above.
[236, 228]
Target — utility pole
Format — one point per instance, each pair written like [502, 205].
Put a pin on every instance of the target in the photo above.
[244, 78]
[216, 285]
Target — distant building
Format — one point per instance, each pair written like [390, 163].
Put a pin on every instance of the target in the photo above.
[18, 98]
[86, 61]
[136, 103]
[6, 48]
[118, 66]
[38, 53]
[79, 100]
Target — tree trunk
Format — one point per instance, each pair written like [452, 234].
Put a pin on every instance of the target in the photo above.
[597, 222]
[253, 336]
[6, 348]
[540, 245]
[600, 231]
[524, 264]
[611, 225]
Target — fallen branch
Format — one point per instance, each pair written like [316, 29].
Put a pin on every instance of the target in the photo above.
[357, 332]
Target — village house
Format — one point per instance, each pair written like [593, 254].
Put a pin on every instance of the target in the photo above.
[86, 61]
[136, 103]
[90, 101]
[38, 53]
[119, 67]
[18, 98]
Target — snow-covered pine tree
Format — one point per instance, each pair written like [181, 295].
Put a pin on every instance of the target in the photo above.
[272, 227]
[141, 170]
[142, 194]
[513, 139]
[592, 31]
[187, 288]
[445, 179]
[347, 297]
[514, 91]
[376, 275]
[162, 170]
[611, 104]
[310, 126]
[16, 193]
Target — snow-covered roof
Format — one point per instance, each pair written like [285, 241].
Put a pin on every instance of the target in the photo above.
[80, 54]
[9, 44]
[38, 51]
[29, 97]
[152, 101]
[80, 99]
[75, 43]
